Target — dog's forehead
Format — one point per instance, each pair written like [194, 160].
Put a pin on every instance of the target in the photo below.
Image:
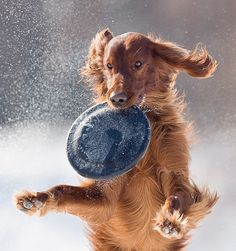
[127, 42]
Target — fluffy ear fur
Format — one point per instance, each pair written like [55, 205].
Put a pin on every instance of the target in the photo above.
[93, 69]
[197, 63]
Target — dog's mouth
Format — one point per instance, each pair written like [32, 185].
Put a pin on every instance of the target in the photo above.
[141, 100]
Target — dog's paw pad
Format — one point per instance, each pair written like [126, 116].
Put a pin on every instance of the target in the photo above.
[37, 203]
[171, 226]
[168, 230]
[174, 233]
[29, 203]
[165, 229]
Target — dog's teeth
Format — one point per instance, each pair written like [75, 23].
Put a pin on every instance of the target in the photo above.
[27, 204]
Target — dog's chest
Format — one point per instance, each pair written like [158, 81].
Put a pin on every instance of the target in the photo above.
[142, 194]
[133, 221]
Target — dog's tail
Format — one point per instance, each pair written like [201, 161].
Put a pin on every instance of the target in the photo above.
[204, 201]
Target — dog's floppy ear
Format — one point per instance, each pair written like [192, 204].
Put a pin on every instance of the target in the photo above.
[197, 63]
[92, 71]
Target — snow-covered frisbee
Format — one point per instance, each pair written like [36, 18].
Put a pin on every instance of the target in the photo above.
[104, 142]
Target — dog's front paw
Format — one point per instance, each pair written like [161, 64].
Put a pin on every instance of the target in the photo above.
[170, 225]
[31, 203]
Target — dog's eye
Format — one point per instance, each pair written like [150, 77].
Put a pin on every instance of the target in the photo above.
[109, 66]
[137, 64]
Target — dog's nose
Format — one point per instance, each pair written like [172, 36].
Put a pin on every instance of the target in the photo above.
[118, 98]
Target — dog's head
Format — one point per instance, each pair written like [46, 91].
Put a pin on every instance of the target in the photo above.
[124, 69]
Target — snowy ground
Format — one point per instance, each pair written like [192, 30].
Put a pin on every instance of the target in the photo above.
[35, 159]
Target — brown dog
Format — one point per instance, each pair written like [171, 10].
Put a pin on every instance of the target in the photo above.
[154, 206]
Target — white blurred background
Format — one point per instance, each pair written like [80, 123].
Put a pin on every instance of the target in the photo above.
[43, 43]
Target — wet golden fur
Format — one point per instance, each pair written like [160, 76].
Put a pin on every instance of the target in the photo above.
[154, 206]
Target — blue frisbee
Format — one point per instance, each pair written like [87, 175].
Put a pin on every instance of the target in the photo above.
[104, 142]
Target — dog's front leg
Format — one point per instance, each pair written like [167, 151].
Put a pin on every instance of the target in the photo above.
[173, 157]
[178, 191]
[171, 220]
[92, 202]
